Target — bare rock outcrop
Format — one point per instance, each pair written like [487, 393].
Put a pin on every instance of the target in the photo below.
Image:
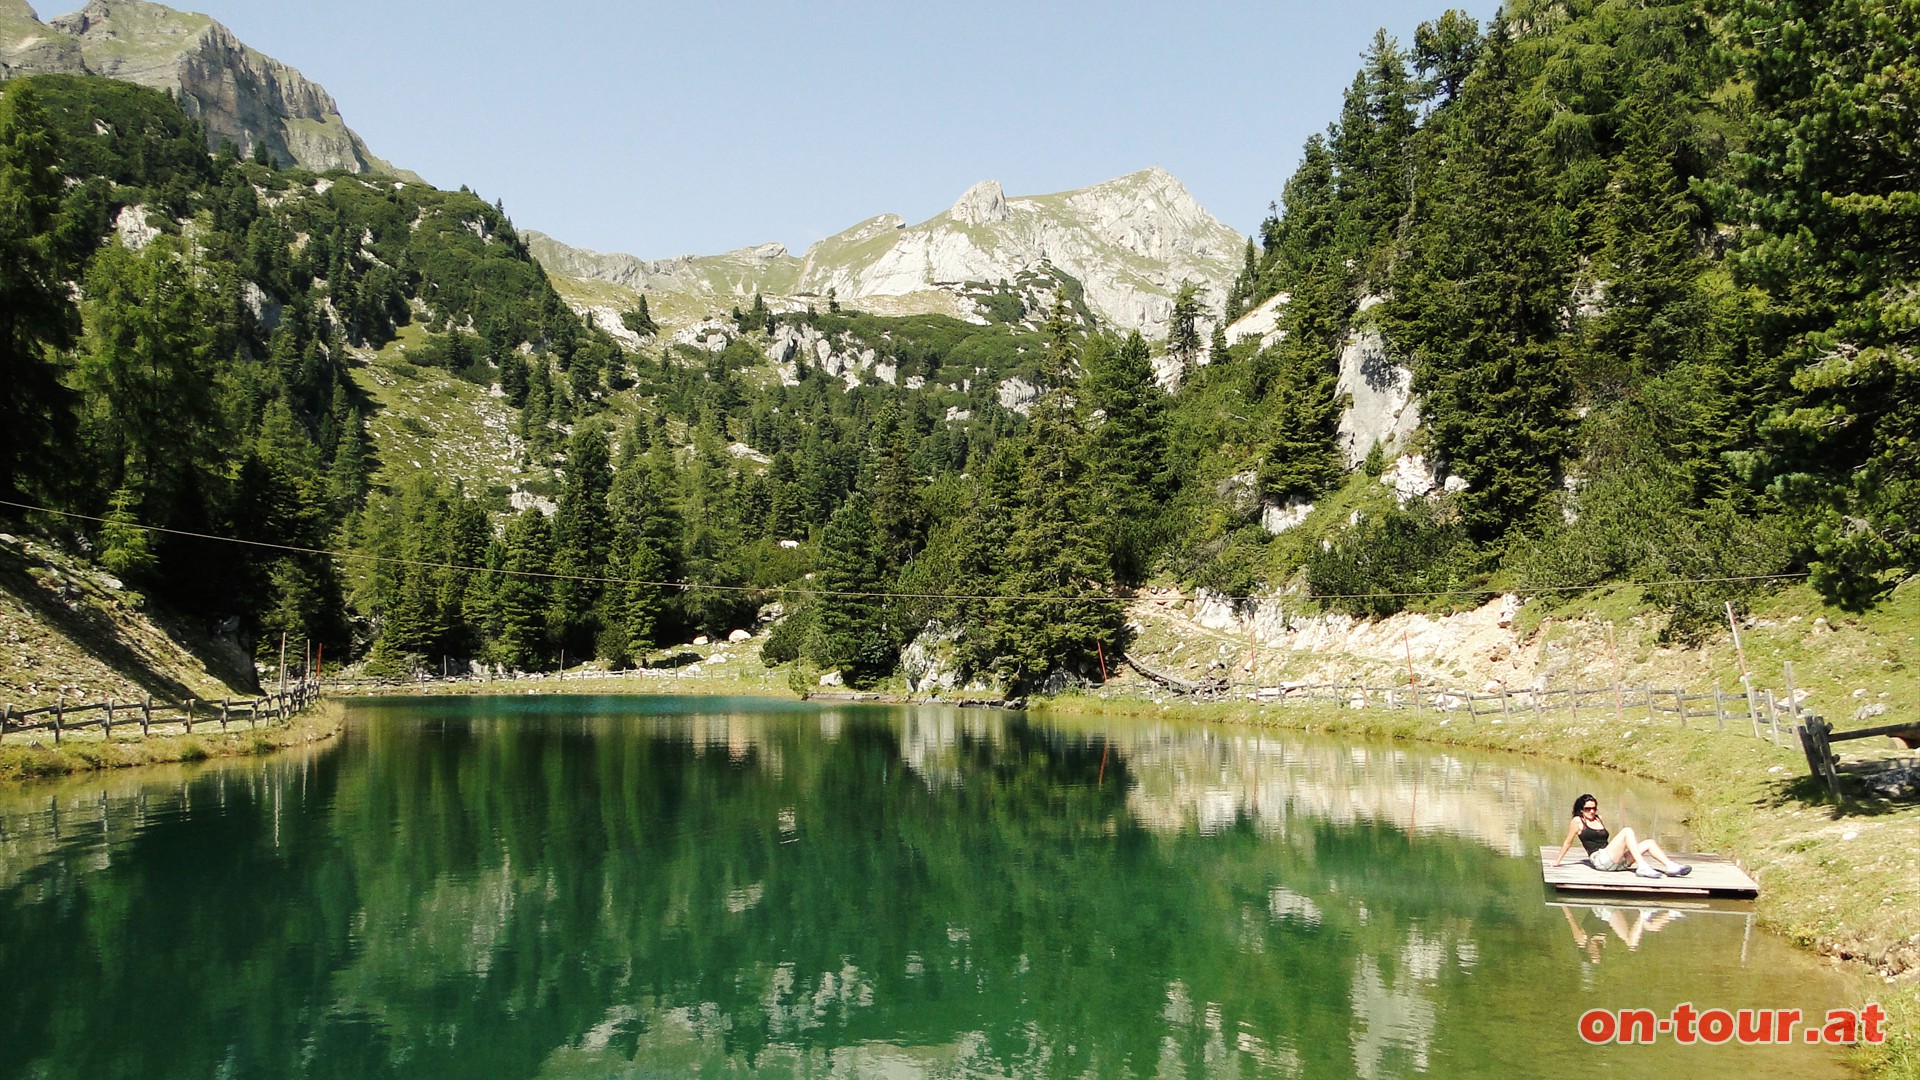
[237, 92]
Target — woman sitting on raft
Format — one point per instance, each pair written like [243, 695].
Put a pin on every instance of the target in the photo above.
[1606, 851]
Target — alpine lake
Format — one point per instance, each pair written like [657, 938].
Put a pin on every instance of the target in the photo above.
[553, 886]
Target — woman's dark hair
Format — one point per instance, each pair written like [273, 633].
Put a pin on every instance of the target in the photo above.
[1582, 801]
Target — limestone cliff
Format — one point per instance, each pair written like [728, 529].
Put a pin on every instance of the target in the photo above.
[238, 93]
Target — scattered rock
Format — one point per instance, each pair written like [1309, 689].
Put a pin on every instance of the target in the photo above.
[738, 636]
[832, 678]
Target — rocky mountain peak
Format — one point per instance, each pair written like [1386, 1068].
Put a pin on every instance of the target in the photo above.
[238, 93]
[983, 204]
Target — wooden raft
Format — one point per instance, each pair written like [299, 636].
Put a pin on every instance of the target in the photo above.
[1713, 875]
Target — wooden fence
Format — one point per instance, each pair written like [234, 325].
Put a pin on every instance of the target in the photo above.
[1758, 713]
[147, 714]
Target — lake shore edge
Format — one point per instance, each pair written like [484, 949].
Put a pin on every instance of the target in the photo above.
[81, 753]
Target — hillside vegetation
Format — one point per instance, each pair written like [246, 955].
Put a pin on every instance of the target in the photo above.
[1653, 282]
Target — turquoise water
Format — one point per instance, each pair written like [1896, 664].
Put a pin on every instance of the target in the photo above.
[627, 887]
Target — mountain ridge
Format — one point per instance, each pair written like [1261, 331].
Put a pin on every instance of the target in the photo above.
[237, 92]
[1131, 242]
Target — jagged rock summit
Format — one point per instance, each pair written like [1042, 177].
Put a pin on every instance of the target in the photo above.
[1130, 242]
[237, 92]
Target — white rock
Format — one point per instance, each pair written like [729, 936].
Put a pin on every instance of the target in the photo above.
[1017, 395]
[132, 227]
[1262, 322]
[738, 636]
[701, 640]
[983, 204]
[1410, 477]
[1278, 519]
[832, 678]
[1380, 404]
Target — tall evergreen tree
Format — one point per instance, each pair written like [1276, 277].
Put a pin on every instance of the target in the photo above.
[1480, 301]
[1828, 190]
[1127, 454]
[851, 632]
[521, 594]
[36, 317]
[582, 541]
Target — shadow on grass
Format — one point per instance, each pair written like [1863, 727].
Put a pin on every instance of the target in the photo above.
[91, 628]
[1857, 800]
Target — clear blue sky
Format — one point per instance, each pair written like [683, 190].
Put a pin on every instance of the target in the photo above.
[689, 127]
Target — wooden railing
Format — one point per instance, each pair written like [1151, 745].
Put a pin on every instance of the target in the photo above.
[61, 718]
[1759, 713]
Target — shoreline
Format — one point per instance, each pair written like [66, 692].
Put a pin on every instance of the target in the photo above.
[80, 753]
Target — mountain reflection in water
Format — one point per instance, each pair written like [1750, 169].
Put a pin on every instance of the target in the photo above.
[546, 886]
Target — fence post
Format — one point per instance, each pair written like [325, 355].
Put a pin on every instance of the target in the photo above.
[106, 726]
[189, 716]
[1793, 699]
[1680, 703]
[1773, 718]
[223, 715]
[1650, 713]
[59, 717]
[1719, 708]
[146, 715]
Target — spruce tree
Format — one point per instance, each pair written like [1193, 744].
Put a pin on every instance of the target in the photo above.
[851, 632]
[521, 594]
[1828, 191]
[37, 319]
[582, 541]
[1480, 302]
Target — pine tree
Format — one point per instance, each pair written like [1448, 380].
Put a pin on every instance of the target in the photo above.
[582, 540]
[1054, 609]
[1480, 301]
[893, 490]
[851, 632]
[1183, 327]
[521, 594]
[1827, 188]
[36, 317]
[1127, 454]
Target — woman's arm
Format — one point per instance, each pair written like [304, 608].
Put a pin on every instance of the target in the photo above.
[1573, 832]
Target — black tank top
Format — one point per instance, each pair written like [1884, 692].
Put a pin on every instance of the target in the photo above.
[1592, 839]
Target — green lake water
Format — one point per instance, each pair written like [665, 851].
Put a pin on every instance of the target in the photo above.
[636, 887]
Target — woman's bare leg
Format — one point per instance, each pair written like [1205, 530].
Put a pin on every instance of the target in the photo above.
[1624, 843]
[1648, 849]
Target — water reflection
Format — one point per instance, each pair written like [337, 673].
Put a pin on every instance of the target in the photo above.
[621, 887]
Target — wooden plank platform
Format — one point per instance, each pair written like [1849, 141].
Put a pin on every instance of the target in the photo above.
[1713, 875]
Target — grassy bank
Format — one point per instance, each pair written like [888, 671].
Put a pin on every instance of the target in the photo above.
[77, 753]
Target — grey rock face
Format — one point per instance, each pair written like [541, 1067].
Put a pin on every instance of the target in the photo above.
[30, 47]
[1381, 406]
[236, 92]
